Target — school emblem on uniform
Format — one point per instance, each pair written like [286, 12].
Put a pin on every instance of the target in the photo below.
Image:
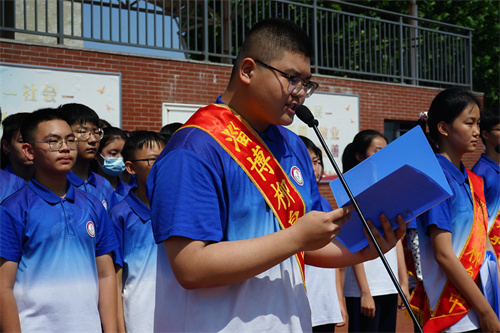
[297, 175]
[91, 228]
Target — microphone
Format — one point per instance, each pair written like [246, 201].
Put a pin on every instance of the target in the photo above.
[304, 114]
[497, 149]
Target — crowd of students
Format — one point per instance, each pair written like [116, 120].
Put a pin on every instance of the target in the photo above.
[106, 230]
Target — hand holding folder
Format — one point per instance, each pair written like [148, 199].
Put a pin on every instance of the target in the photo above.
[404, 178]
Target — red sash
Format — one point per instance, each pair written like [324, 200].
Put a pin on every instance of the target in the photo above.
[247, 149]
[494, 234]
[451, 306]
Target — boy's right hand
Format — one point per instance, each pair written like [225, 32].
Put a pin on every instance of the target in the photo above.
[316, 229]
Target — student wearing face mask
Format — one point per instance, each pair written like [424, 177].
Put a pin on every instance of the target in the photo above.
[110, 162]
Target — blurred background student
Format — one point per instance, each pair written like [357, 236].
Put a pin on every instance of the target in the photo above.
[327, 305]
[110, 164]
[13, 160]
[371, 297]
[132, 218]
[488, 167]
[85, 124]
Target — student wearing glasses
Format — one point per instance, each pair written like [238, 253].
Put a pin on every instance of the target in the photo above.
[85, 124]
[132, 218]
[56, 271]
[235, 207]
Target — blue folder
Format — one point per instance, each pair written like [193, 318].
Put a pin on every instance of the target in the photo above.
[403, 178]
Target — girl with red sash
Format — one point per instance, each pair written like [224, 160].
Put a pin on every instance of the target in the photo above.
[453, 235]
[488, 167]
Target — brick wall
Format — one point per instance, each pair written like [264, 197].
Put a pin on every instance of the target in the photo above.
[149, 81]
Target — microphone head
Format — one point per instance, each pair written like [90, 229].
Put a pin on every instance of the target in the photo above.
[497, 149]
[306, 116]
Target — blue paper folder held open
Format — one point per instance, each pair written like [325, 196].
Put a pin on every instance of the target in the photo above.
[403, 178]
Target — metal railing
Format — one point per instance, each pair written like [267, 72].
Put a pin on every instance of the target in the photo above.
[350, 40]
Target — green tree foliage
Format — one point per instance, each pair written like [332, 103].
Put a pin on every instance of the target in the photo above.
[481, 15]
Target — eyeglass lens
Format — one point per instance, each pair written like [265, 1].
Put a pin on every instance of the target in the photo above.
[55, 145]
[297, 84]
[98, 133]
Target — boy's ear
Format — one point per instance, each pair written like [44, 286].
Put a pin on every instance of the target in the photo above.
[485, 135]
[443, 128]
[28, 151]
[246, 70]
[6, 147]
[129, 166]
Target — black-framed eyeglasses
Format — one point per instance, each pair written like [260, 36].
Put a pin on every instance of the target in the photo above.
[296, 83]
[84, 135]
[150, 161]
[55, 144]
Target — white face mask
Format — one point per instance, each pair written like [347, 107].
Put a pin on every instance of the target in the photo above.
[113, 166]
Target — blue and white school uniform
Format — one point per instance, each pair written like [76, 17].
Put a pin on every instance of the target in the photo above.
[489, 170]
[197, 191]
[138, 250]
[96, 185]
[122, 190]
[9, 183]
[456, 215]
[55, 242]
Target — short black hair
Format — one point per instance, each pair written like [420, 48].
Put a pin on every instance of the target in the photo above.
[76, 113]
[103, 123]
[169, 129]
[138, 140]
[32, 120]
[268, 39]
[11, 124]
[489, 117]
[311, 146]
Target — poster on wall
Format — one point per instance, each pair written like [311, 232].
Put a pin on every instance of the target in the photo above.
[337, 114]
[338, 117]
[29, 88]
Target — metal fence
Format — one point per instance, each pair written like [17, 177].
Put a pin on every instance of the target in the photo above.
[350, 40]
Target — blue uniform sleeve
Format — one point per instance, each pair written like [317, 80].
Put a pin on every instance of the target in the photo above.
[118, 226]
[186, 198]
[325, 205]
[106, 241]
[11, 235]
[439, 215]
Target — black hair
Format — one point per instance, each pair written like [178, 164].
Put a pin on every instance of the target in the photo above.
[268, 39]
[489, 117]
[111, 134]
[311, 146]
[75, 113]
[446, 106]
[32, 120]
[358, 146]
[11, 124]
[104, 123]
[138, 140]
[169, 129]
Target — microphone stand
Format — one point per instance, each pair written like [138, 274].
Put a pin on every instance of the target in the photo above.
[314, 124]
